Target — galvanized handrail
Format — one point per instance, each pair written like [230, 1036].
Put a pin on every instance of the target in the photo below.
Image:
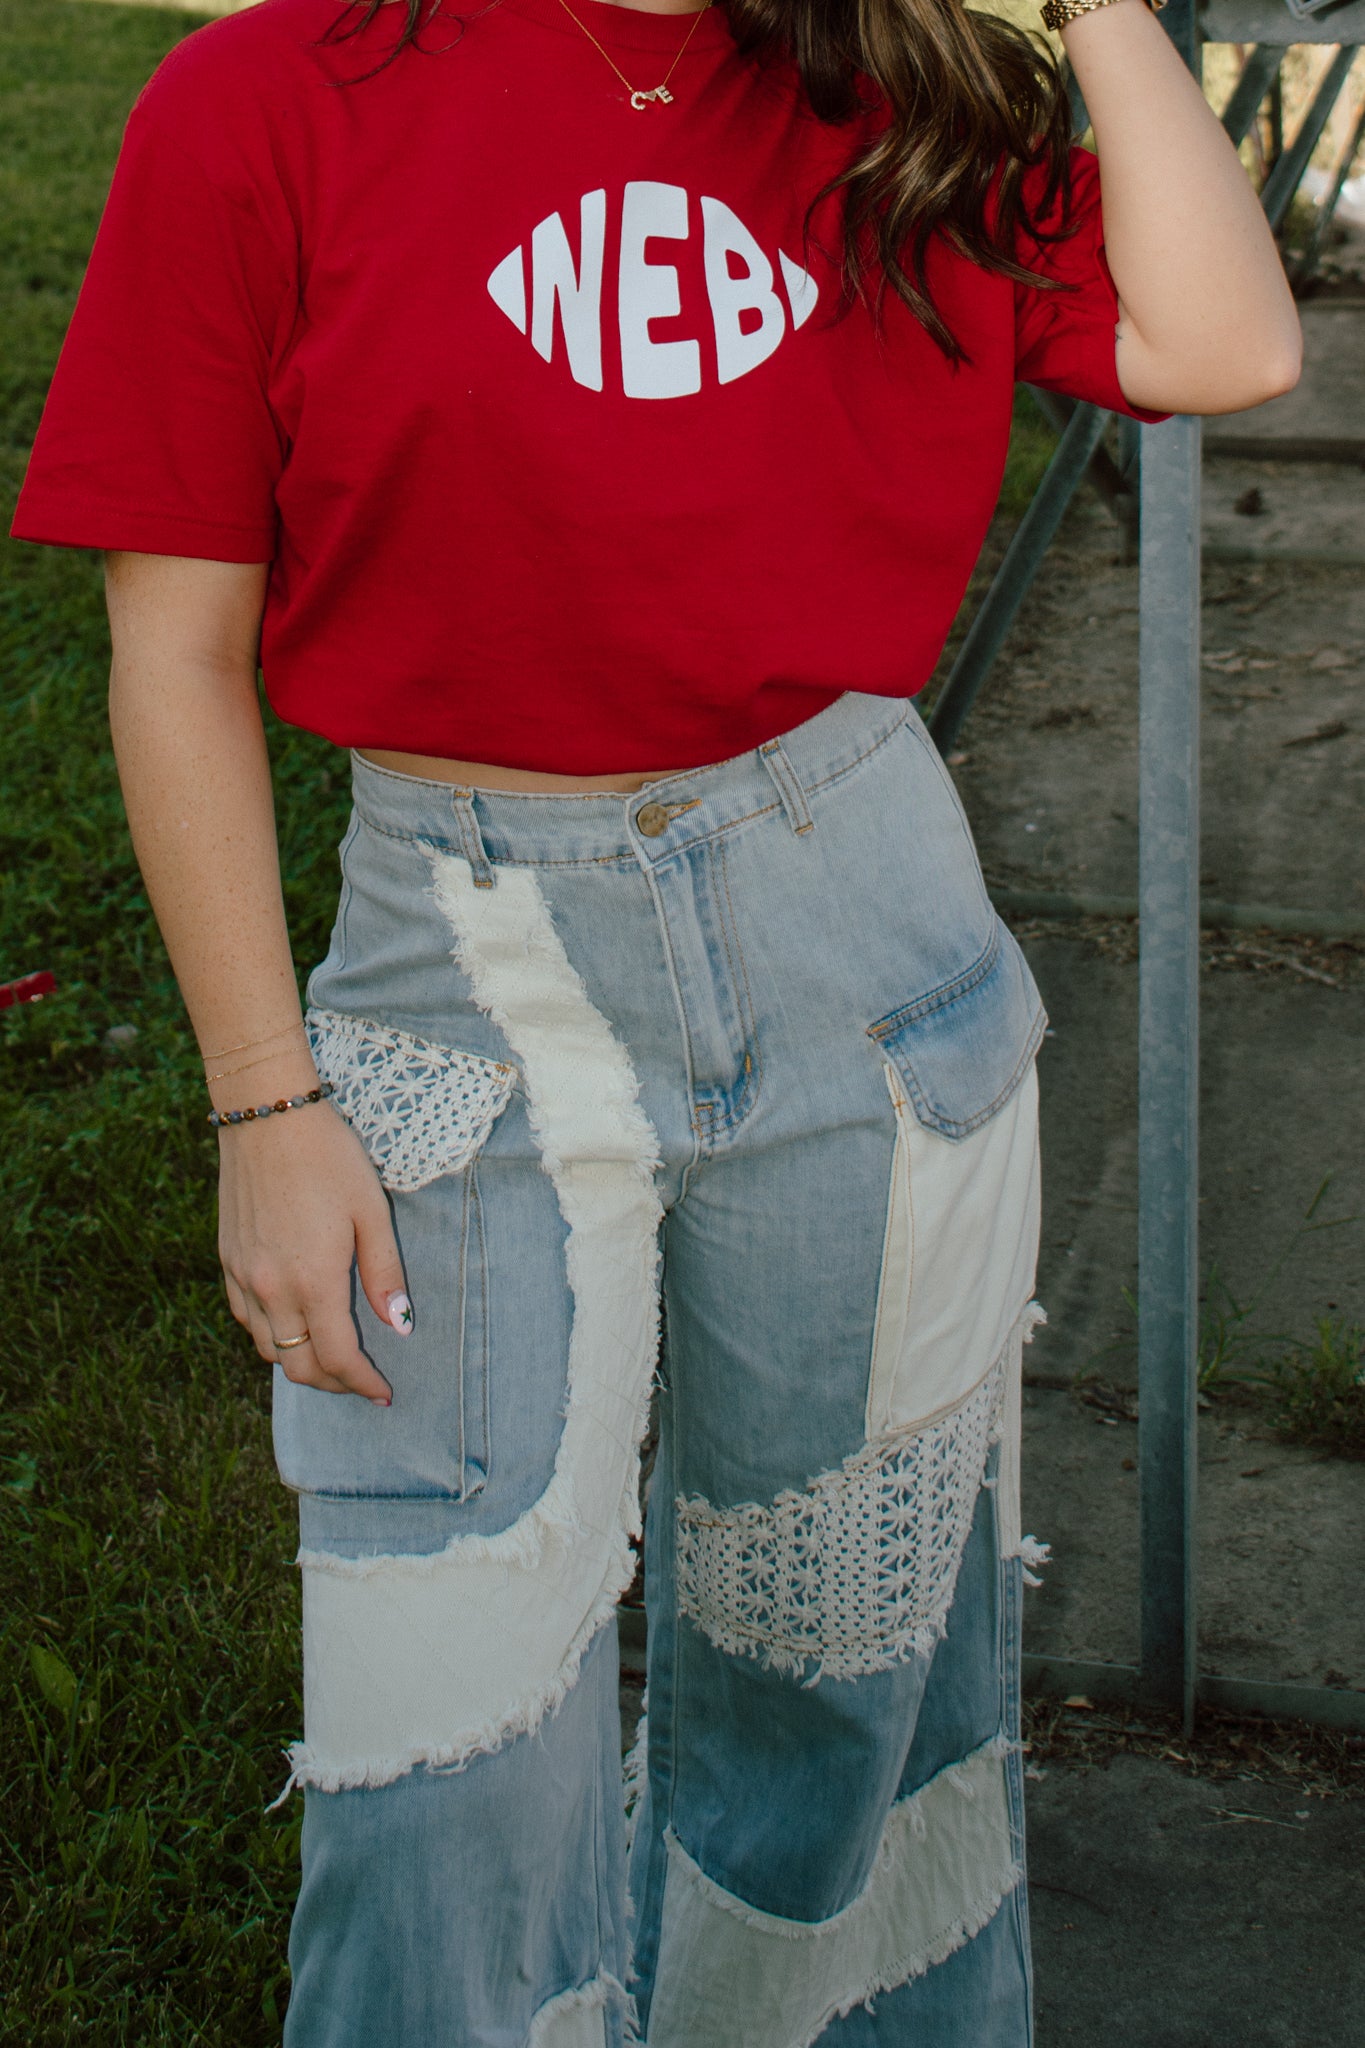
[1012, 580]
[1086, 425]
[1168, 907]
[1168, 1053]
[1287, 175]
[1327, 207]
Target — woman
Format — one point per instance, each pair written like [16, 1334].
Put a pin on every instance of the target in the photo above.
[592, 412]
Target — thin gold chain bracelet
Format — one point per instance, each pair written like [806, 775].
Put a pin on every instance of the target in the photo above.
[250, 1044]
[226, 1073]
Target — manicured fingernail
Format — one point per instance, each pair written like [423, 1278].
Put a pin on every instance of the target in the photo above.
[400, 1314]
[381, 1400]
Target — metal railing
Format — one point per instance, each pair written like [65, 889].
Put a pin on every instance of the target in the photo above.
[1168, 904]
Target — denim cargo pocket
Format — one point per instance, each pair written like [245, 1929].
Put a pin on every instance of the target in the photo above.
[424, 1113]
[964, 1048]
[962, 1208]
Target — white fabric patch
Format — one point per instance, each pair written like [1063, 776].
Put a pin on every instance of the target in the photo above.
[635, 1774]
[1010, 1428]
[958, 1257]
[431, 1659]
[856, 1571]
[421, 1110]
[730, 1976]
[575, 2019]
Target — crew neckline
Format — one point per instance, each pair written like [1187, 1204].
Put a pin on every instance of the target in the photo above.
[628, 28]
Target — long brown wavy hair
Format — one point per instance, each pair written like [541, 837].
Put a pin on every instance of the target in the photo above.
[968, 101]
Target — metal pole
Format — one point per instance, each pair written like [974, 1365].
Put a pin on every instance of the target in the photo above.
[1259, 71]
[1168, 1035]
[1287, 176]
[1010, 585]
[1168, 1055]
[1327, 205]
[1105, 473]
[1080, 117]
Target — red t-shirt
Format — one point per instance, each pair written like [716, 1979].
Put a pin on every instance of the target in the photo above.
[561, 447]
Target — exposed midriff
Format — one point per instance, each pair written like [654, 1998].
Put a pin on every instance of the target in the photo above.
[485, 775]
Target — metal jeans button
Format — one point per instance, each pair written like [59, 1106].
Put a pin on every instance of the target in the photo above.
[652, 820]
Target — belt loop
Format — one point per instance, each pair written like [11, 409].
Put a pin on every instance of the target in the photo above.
[471, 839]
[788, 788]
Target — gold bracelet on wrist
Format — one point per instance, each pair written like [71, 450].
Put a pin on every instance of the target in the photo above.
[261, 1059]
[1057, 13]
[251, 1044]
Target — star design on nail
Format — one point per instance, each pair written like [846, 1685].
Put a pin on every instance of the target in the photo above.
[405, 1314]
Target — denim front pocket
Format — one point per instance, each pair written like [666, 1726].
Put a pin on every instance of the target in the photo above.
[423, 1112]
[963, 1048]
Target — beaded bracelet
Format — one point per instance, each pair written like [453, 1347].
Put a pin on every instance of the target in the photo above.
[219, 1117]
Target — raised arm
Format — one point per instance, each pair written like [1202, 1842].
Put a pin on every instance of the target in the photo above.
[298, 1197]
[1207, 322]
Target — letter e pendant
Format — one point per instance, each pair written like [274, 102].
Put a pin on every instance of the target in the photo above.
[640, 100]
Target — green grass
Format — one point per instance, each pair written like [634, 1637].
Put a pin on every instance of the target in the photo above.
[147, 1608]
[1311, 1390]
[1316, 1389]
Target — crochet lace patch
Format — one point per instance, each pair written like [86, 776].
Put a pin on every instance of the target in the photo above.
[855, 1572]
[421, 1110]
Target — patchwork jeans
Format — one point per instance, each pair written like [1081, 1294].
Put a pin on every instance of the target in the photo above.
[752, 1047]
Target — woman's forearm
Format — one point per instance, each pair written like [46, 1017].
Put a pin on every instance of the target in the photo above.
[1208, 323]
[192, 761]
[299, 1201]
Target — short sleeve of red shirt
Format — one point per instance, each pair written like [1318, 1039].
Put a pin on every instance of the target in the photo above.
[1064, 340]
[157, 435]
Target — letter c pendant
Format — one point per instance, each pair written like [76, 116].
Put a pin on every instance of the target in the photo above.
[640, 100]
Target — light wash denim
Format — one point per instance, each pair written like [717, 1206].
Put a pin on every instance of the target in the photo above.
[753, 1046]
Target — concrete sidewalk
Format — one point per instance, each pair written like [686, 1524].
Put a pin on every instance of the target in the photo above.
[1173, 1912]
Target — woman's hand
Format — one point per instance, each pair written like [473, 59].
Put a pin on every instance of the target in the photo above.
[298, 1201]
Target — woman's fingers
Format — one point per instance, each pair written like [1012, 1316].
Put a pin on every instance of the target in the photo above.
[339, 1363]
[299, 1363]
[236, 1301]
[329, 1357]
[380, 1268]
[302, 1364]
[262, 1334]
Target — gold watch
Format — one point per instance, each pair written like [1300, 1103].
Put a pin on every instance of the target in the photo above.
[1057, 13]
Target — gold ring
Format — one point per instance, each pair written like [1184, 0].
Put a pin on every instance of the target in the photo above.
[289, 1343]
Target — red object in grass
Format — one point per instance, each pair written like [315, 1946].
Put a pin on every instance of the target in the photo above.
[30, 988]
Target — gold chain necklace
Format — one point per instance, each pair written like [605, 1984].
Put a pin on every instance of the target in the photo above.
[639, 99]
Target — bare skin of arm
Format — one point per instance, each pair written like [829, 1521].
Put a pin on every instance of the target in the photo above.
[298, 1197]
[1207, 321]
